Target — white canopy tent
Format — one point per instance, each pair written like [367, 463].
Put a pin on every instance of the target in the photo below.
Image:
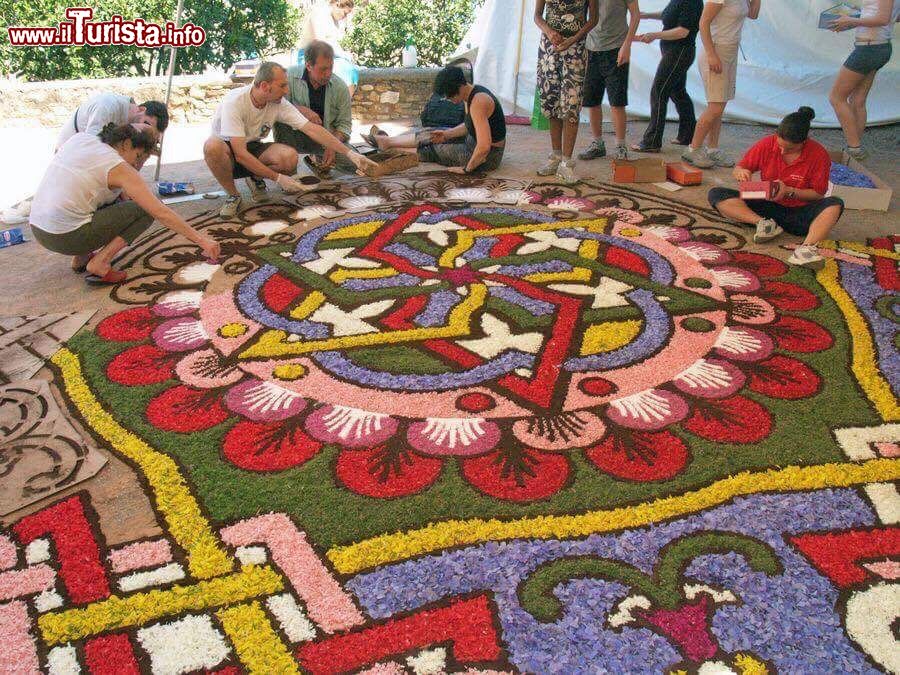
[785, 62]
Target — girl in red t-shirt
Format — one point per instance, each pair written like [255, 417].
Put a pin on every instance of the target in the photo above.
[800, 166]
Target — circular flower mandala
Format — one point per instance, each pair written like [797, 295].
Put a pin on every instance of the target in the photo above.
[485, 341]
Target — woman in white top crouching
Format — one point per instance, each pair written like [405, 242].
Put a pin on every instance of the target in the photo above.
[75, 211]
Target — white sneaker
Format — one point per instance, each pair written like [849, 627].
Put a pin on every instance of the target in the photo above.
[621, 153]
[566, 172]
[258, 190]
[230, 207]
[698, 158]
[766, 230]
[805, 255]
[551, 165]
[720, 158]
[596, 149]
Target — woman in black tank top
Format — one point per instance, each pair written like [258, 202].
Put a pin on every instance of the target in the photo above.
[483, 131]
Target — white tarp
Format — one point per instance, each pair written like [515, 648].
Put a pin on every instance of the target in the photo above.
[786, 62]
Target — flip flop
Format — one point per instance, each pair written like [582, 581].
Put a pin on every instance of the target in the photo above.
[83, 267]
[111, 277]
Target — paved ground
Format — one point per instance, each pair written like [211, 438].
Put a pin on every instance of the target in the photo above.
[38, 281]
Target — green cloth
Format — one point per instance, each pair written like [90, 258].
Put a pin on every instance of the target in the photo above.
[338, 111]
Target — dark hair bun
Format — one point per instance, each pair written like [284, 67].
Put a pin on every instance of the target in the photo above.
[807, 112]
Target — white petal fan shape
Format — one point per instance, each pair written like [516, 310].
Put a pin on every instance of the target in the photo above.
[360, 202]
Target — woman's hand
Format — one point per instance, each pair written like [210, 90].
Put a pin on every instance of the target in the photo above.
[554, 36]
[647, 38]
[565, 44]
[439, 136]
[715, 63]
[843, 23]
[211, 248]
[783, 192]
[741, 174]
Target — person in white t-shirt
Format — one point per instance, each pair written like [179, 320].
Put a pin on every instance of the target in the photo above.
[871, 52]
[75, 211]
[101, 109]
[720, 31]
[243, 119]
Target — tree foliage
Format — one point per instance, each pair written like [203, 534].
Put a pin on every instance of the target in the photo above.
[234, 30]
[381, 27]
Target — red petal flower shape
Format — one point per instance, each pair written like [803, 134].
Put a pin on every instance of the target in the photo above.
[268, 446]
[520, 475]
[788, 297]
[142, 365]
[129, 325]
[386, 471]
[639, 455]
[184, 409]
[783, 377]
[799, 335]
[763, 266]
[731, 420]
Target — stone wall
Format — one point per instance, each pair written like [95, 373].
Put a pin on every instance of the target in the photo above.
[384, 94]
[392, 93]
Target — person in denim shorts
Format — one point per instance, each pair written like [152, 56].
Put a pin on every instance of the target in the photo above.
[871, 52]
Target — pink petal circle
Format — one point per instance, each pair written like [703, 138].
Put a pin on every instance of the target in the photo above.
[261, 401]
[710, 378]
[648, 410]
[743, 344]
[736, 278]
[707, 253]
[350, 427]
[461, 437]
[180, 335]
[204, 369]
[572, 430]
[750, 309]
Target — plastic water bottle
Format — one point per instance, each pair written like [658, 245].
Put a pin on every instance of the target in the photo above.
[410, 55]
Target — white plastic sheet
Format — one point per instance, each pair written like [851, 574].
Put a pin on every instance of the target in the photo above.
[785, 62]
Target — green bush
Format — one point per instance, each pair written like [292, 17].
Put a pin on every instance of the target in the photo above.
[381, 27]
[234, 30]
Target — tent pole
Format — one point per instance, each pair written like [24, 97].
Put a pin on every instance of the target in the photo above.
[518, 59]
[172, 51]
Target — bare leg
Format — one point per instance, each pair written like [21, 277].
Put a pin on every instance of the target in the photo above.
[596, 116]
[569, 136]
[218, 159]
[618, 119]
[556, 135]
[352, 89]
[847, 81]
[710, 118]
[712, 140]
[858, 102]
[102, 261]
[737, 209]
[281, 158]
[403, 141]
[821, 226]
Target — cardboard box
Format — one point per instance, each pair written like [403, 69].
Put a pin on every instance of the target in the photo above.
[859, 198]
[758, 189]
[839, 10]
[645, 170]
[391, 161]
[683, 173]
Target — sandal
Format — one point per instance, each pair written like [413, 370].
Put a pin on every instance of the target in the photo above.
[79, 269]
[111, 277]
[369, 138]
[640, 147]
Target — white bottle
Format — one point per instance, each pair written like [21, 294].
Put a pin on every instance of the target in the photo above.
[410, 56]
